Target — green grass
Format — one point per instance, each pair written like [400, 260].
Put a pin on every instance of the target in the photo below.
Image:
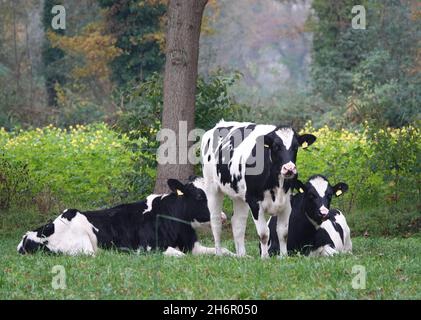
[393, 268]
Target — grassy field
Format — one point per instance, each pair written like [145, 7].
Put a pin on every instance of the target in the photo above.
[393, 269]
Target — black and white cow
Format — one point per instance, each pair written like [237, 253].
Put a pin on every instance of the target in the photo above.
[314, 228]
[165, 222]
[254, 165]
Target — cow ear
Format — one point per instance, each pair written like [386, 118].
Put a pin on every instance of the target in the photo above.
[193, 178]
[306, 140]
[268, 141]
[340, 189]
[300, 186]
[176, 186]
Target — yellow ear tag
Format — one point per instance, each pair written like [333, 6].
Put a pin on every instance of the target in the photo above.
[179, 193]
[304, 145]
[266, 146]
[338, 193]
[301, 190]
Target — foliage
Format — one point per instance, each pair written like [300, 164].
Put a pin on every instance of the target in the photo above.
[95, 48]
[133, 23]
[14, 183]
[380, 166]
[368, 73]
[52, 56]
[140, 106]
[87, 166]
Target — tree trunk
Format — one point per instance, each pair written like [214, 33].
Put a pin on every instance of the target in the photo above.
[15, 45]
[182, 52]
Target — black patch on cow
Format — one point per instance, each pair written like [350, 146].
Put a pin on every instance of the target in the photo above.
[273, 243]
[30, 246]
[322, 238]
[272, 194]
[338, 229]
[69, 214]
[46, 230]
[289, 184]
[209, 157]
[207, 146]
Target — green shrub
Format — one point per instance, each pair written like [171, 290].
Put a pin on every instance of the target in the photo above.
[380, 166]
[140, 106]
[88, 166]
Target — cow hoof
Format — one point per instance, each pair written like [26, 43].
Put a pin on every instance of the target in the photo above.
[226, 252]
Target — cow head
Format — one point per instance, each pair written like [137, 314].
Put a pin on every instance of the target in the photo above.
[318, 194]
[284, 143]
[195, 199]
[36, 240]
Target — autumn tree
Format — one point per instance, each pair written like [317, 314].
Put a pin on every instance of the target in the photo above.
[51, 56]
[137, 27]
[182, 51]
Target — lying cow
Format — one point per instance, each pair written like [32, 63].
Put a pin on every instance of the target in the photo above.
[166, 222]
[254, 165]
[314, 229]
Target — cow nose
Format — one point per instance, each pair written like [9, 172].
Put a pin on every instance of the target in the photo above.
[324, 211]
[288, 169]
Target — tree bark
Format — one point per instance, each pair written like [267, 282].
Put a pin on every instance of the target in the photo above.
[182, 52]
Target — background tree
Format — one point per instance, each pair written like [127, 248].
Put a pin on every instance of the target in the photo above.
[136, 25]
[367, 73]
[182, 52]
[51, 56]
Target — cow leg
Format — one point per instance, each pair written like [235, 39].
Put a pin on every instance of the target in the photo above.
[282, 230]
[261, 227]
[198, 249]
[173, 252]
[239, 224]
[215, 208]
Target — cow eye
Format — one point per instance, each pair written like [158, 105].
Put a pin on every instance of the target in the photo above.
[200, 196]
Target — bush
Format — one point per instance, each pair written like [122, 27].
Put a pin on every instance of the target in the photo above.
[380, 166]
[88, 166]
[140, 106]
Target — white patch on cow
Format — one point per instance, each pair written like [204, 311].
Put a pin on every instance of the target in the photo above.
[173, 252]
[198, 249]
[281, 199]
[199, 183]
[70, 237]
[73, 237]
[320, 185]
[286, 135]
[340, 246]
[324, 251]
[149, 201]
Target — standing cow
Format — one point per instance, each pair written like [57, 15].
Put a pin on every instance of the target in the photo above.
[254, 165]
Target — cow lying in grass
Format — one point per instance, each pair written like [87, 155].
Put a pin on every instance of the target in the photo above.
[161, 222]
[313, 228]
